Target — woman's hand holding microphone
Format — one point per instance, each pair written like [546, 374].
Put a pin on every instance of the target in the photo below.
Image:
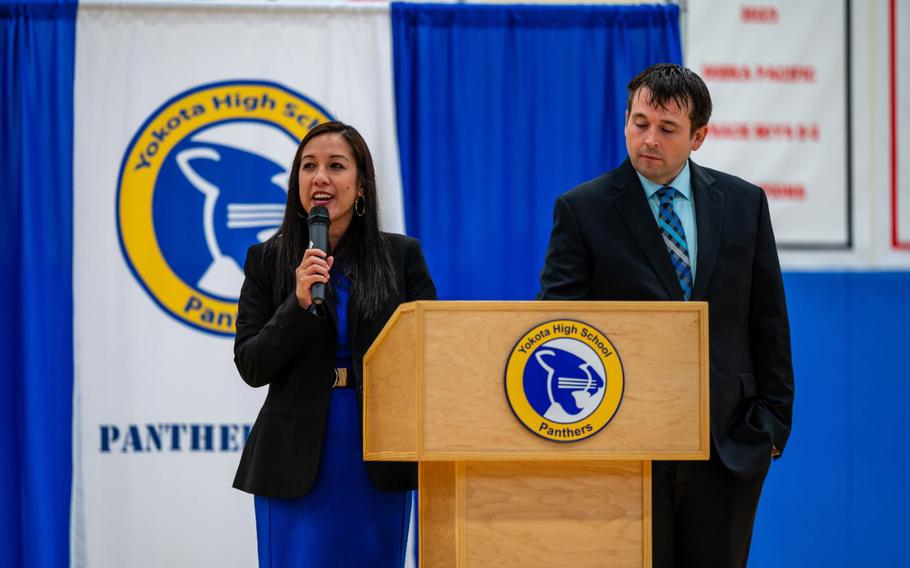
[313, 268]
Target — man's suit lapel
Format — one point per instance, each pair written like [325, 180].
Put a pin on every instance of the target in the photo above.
[709, 218]
[629, 199]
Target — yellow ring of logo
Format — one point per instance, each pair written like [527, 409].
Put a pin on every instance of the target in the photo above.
[587, 335]
[178, 118]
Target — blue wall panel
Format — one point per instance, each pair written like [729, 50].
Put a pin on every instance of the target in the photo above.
[837, 496]
[878, 442]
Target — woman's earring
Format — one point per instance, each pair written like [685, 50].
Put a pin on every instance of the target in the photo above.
[360, 206]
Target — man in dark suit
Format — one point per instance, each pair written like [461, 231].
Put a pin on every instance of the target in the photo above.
[660, 227]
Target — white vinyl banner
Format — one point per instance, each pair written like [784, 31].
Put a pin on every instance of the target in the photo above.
[186, 121]
[778, 76]
[900, 123]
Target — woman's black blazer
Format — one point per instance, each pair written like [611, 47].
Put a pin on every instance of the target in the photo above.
[293, 352]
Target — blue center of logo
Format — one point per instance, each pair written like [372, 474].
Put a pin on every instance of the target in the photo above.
[564, 381]
[215, 196]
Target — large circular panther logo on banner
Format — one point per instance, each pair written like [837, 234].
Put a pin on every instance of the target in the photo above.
[202, 180]
[564, 380]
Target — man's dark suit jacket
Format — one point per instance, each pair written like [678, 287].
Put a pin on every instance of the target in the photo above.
[606, 245]
[293, 352]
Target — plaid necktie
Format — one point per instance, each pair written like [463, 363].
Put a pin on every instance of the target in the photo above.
[675, 238]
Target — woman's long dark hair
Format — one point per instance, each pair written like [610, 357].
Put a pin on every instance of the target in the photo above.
[363, 247]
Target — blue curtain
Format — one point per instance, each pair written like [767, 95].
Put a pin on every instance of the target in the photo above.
[37, 46]
[502, 108]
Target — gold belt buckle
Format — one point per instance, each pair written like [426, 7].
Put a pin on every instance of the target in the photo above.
[341, 378]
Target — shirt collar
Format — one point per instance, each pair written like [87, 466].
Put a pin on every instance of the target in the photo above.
[681, 183]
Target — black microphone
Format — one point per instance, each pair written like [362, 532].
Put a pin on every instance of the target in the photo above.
[319, 239]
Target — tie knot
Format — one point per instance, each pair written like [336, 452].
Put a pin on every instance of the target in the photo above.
[666, 194]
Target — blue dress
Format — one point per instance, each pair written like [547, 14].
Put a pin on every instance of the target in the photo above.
[344, 520]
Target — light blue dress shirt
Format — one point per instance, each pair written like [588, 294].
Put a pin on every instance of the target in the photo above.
[684, 206]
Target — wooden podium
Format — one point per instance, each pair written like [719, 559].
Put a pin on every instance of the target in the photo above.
[494, 493]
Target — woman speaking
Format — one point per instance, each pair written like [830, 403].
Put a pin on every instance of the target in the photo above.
[317, 502]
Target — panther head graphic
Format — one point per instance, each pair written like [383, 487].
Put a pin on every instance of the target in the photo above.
[564, 387]
[244, 193]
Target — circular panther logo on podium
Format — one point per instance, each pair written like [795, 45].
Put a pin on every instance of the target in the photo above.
[203, 179]
[564, 380]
